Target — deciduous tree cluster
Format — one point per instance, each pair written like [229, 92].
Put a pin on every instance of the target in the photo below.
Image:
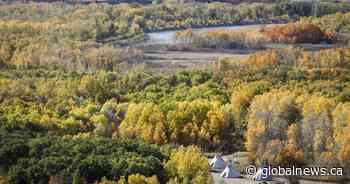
[221, 38]
[284, 128]
[292, 33]
[49, 159]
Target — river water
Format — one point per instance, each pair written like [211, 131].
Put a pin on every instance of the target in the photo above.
[167, 37]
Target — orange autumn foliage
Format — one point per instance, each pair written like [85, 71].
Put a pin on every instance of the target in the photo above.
[299, 32]
[290, 155]
[291, 63]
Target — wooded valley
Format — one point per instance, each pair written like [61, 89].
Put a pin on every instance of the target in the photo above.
[79, 105]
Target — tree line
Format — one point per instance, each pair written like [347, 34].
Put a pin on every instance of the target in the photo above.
[307, 30]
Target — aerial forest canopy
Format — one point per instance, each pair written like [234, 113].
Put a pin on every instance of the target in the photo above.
[78, 105]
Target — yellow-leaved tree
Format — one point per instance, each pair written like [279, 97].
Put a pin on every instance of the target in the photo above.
[292, 153]
[141, 179]
[187, 165]
[269, 117]
[341, 128]
[316, 127]
[144, 121]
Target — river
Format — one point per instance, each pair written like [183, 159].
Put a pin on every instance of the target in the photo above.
[167, 37]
